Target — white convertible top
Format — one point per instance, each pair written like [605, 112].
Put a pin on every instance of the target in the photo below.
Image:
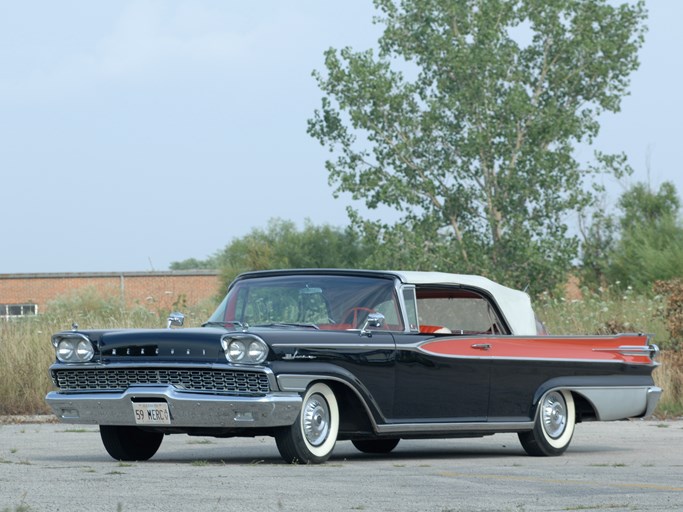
[515, 305]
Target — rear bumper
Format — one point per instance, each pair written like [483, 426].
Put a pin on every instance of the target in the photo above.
[187, 409]
[653, 394]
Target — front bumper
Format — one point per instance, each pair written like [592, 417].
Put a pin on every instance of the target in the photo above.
[187, 409]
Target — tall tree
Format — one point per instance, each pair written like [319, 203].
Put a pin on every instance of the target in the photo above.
[465, 120]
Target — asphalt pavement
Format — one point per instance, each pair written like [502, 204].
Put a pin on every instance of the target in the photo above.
[621, 466]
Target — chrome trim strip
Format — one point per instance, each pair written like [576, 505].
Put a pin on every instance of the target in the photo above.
[628, 350]
[427, 428]
[56, 338]
[541, 359]
[187, 409]
[159, 364]
[337, 346]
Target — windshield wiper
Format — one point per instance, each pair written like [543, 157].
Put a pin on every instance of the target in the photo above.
[287, 324]
[224, 323]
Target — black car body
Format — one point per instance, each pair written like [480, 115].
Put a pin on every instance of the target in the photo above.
[315, 356]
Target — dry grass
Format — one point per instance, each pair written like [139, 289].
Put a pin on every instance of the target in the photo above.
[669, 376]
[26, 352]
[608, 312]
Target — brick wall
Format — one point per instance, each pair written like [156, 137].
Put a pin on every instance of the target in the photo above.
[157, 290]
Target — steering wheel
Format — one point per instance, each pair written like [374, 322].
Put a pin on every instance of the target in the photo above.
[357, 316]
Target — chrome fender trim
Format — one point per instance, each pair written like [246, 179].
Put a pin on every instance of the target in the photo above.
[618, 403]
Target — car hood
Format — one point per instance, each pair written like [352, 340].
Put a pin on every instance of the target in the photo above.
[196, 344]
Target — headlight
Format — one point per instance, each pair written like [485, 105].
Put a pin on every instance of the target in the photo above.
[66, 350]
[257, 351]
[236, 351]
[73, 348]
[244, 349]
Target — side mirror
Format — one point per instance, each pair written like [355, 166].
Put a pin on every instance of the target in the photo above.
[375, 320]
[175, 319]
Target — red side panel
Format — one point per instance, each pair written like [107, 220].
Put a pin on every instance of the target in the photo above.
[599, 348]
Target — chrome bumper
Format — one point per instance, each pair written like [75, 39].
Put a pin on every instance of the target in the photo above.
[653, 394]
[187, 409]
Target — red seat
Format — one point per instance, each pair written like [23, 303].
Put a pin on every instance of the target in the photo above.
[430, 329]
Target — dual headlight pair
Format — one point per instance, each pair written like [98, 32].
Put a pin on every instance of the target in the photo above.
[73, 348]
[244, 348]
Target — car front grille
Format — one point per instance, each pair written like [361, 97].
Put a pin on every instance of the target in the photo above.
[191, 379]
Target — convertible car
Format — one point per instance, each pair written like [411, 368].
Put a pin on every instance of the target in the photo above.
[314, 356]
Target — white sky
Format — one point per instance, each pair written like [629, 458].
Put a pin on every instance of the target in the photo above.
[137, 133]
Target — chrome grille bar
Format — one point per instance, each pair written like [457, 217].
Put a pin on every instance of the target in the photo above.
[191, 379]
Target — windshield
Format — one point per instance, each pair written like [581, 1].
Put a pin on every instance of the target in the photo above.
[322, 302]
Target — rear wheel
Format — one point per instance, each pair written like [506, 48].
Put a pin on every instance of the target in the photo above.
[375, 445]
[554, 425]
[130, 443]
[311, 439]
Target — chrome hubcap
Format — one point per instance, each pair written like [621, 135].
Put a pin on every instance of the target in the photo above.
[316, 420]
[554, 414]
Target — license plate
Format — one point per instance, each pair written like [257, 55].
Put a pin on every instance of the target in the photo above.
[151, 413]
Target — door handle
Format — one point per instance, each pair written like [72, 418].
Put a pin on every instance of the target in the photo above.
[482, 346]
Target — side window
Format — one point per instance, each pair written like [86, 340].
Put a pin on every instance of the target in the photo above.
[456, 311]
[388, 309]
[411, 307]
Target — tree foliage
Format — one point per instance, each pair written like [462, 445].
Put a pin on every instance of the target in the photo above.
[282, 245]
[194, 264]
[646, 247]
[465, 120]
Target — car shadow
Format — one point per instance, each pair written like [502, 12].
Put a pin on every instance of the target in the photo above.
[235, 453]
[346, 452]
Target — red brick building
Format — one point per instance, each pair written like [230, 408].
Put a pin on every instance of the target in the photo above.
[30, 294]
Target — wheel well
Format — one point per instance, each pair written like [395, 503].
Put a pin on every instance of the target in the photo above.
[353, 416]
[584, 409]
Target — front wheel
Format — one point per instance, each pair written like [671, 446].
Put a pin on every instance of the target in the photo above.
[311, 439]
[130, 443]
[554, 425]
